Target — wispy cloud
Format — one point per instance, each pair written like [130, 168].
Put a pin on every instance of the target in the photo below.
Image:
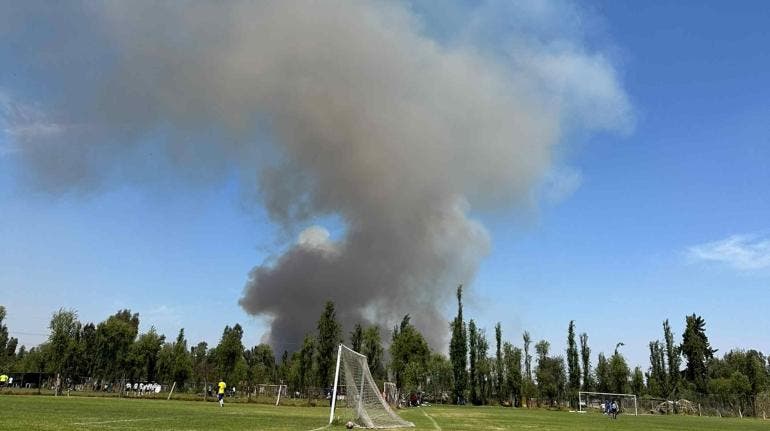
[560, 183]
[742, 252]
[21, 122]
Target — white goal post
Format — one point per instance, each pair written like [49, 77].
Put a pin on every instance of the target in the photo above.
[364, 404]
[626, 402]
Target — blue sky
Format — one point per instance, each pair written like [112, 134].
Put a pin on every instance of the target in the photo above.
[666, 220]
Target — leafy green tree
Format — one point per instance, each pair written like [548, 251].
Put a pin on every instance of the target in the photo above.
[35, 360]
[6, 343]
[527, 356]
[10, 352]
[144, 355]
[202, 363]
[114, 338]
[619, 373]
[174, 362]
[305, 363]
[165, 360]
[541, 348]
[603, 377]
[529, 388]
[637, 382]
[260, 362]
[329, 337]
[458, 352]
[750, 363]
[228, 357]
[573, 363]
[697, 352]
[20, 361]
[284, 367]
[585, 357]
[657, 381]
[740, 384]
[63, 342]
[472, 359]
[513, 380]
[501, 392]
[757, 372]
[356, 338]
[409, 355]
[673, 357]
[439, 375]
[483, 367]
[550, 373]
[181, 368]
[371, 346]
[87, 364]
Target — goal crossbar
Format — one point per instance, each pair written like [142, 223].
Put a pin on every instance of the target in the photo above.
[587, 394]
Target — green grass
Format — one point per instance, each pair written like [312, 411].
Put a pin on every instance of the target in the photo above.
[83, 413]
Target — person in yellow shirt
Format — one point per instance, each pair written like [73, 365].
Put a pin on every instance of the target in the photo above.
[221, 393]
[3, 380]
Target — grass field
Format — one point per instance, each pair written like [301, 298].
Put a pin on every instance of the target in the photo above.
[81, 413]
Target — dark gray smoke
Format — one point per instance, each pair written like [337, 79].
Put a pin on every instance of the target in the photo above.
[344, 108]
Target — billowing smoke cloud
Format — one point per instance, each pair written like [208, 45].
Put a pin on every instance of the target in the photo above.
[342, 108]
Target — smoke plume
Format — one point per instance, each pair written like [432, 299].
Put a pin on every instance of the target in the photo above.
[354, 109]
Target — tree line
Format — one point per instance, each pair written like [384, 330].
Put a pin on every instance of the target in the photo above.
[473, 372]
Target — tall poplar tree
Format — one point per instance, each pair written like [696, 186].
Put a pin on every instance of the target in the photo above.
[573, 362]
[458, 352]
[527, 356]
[356, 337]
[585, 356]
[329, 337]
[473, 357]
[499, 363]
[657, 380]
[371, 346]
[673, 357]
[603, 378]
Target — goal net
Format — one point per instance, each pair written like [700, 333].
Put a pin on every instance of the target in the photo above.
[271, 392]
[356, 390]
[599, 402]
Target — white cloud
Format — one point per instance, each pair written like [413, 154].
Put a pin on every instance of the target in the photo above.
[742, 252]
[561, 183]
[316, 237]
[20, 122]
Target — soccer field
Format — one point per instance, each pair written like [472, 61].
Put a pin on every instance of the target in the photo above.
[63, 413]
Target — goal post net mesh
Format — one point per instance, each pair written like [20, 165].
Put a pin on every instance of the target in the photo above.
[359, 396]
[599, 401]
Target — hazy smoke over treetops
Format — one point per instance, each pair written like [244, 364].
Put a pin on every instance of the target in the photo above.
[350, 108]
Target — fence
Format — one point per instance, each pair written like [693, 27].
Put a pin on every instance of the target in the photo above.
[48, 383]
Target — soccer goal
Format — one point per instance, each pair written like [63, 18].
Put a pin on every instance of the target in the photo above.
[596, 401]
[273, 392]
[364, 404]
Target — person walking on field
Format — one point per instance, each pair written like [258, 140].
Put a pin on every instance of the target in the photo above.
[221, 393]
[614, 409]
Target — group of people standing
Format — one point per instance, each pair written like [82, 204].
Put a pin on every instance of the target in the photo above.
[611, 409]
[142, 388]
